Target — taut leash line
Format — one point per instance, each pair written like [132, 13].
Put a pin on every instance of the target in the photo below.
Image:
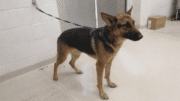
[35, 4]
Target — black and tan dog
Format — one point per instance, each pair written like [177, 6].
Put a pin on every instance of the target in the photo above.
[101, 44]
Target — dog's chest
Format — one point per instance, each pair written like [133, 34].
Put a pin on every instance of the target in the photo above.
[116, 49]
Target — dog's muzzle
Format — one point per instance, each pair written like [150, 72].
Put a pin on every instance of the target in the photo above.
[134, 36]
[140, 36]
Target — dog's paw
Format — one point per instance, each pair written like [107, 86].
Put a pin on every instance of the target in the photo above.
[79, 72]
[112, 85]
[55, 78]
[104, 96]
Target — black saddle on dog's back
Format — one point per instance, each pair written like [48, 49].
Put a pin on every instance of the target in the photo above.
[79, 38]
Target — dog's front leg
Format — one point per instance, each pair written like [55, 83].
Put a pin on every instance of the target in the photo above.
[107, 74]
[100, 68]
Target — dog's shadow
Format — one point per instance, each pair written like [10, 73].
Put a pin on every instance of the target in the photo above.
[79, 83]
[69, 80]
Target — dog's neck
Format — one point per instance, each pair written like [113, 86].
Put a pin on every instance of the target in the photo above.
[106, 36]
[114, 40]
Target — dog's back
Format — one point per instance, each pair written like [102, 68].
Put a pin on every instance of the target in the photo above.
[79, 38]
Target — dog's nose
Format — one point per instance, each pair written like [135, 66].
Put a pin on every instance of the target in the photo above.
[140, 36]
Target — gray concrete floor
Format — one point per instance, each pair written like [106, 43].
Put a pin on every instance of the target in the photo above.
[147, 70]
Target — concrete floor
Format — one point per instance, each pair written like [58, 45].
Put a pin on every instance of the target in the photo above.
[147, 70]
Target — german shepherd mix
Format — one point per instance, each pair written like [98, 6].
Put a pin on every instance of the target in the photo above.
[101, 44]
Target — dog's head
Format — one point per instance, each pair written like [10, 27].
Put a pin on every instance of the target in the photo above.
[122, 25]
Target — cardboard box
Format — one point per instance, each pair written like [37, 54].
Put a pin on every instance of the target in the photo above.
[156, 22]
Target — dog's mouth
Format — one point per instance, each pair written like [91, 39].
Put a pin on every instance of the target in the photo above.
[134, 36]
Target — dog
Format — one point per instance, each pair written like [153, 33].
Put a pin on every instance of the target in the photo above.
[101, 44]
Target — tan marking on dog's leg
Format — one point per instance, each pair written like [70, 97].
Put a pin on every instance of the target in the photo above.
[75, 55]
[107, 74]
[62, 52]
[100, 68]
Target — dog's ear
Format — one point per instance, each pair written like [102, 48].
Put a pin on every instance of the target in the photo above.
[129, 12]
[107, 18]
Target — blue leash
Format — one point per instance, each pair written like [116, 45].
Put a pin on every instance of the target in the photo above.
[35, 4]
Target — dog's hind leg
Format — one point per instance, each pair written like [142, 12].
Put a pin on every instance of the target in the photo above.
[62, 52]
[75, 55]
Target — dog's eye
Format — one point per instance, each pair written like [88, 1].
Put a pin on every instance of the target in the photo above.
[128, 25]
[110, 20]
[115, 19]
[118, 25]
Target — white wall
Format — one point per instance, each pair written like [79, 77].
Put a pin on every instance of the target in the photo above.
[136, 11]
[26, 35]
[155, 7]
[77, 11]
[83, 11]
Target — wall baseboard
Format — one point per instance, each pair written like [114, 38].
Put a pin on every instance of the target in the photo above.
[143, 26]
[27, 69]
